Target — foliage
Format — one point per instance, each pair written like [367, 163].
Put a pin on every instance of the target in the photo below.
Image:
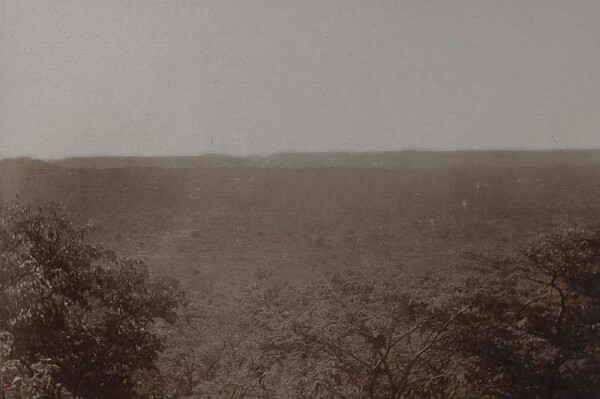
[78, 317]
[525, 327]
[365, 337]
[27, 381]
[349, 335]
[532, 329]
[76, 321]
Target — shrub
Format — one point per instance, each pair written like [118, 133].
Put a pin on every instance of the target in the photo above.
[350, 335]
[77, 315]
[532, 328]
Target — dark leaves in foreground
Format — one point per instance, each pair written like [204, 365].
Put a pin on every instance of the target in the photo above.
[532, 329]
[74, 318]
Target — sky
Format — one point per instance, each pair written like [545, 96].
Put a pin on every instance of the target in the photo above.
[185, 77]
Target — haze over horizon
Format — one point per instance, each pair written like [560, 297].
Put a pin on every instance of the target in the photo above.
[187, 77]
[592, 151]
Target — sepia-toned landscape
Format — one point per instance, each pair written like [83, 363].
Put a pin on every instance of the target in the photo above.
[323, 275]
[299, 199]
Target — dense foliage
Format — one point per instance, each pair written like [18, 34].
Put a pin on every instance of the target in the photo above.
[348, 335]
[76, 321]
[532, 328]
[74, 318]
[522, 326]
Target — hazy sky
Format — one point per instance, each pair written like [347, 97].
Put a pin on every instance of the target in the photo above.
[149, 77]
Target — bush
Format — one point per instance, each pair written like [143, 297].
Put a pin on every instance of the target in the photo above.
[526, 327]
[532, 328]
[31, 381]
[79, 319]
[349, 335]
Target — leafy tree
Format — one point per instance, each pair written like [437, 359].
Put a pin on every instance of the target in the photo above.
[204, 347]
[349, 335]
[532, 327]
[33, 381]
[79, 318]
[373, 337]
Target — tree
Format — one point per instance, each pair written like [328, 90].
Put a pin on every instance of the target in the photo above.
[526, 326]
[27, 381]
[349, 335]
[76, 308]
[532, 328]
[373, 337]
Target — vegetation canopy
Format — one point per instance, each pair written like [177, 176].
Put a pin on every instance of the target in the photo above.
[532, 329]
[74, 319]
[78, 322]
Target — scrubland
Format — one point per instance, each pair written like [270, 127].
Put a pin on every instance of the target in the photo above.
[338, 282]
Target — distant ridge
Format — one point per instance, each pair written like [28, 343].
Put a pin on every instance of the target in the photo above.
[383, 159]
[108, 162]
[27, 165]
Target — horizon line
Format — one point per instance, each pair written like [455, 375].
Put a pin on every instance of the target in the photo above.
[300, 152]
